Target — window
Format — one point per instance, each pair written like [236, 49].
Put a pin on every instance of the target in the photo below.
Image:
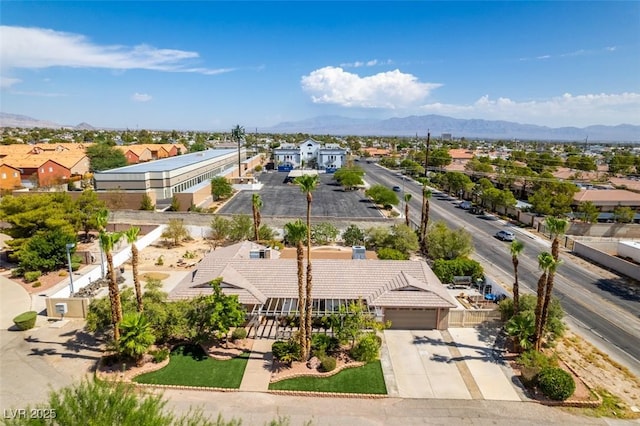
[50, 169]
[4, 176]
[15, 174]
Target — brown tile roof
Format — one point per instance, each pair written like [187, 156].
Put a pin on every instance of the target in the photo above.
[380, 282]
[461, 154]
[610, 196]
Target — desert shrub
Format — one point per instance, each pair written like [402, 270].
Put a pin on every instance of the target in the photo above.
[160, 261]
[535, 359]
[286, 350]
[26, 320]
[239, 334]
[445, 270]
[556, 383]
[159, 355]
[387, 253]
[36, 284]
[31, 276]
[323, 343]
[554, 327]
[366, 350]
[75, 266]
[63, 273]
[328, 363]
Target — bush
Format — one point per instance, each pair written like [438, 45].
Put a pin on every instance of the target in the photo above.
[445, 270]
[328, 363]
[386, 253]
[286, 351]
[366, 350]
[556, 383]
[323, 343]
[535, 359]
[239, 334]
[75, 266]
[31, 276]
[159, 355]
[26, 320]
[63, 273]
[36, 284]
[160, 261]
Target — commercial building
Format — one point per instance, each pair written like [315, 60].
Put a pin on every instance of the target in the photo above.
[310, 154]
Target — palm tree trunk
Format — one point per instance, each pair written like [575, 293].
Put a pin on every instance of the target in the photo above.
[302, 329]
[547, 296]
[114, 296]
[516, 286]
[255, 223]
[538, 312]
[308, 297]
[406, 213]
[136, 279]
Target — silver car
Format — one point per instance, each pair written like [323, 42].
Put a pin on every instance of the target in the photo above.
[506, 235]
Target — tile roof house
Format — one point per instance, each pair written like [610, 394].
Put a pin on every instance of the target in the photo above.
[608, 199]
[407, 293]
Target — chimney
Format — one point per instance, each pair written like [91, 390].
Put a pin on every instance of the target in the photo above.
[358, 252]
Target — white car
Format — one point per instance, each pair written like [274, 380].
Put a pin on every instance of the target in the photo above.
[506, 235]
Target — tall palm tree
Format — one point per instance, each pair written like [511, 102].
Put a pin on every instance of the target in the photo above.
[132, 235]
[108, 240]
[237, 134]
[516, 248]
[545, 263]
[424, 219]
[407, 198]
[102, 217]
[308, 184]
[556, 228]
[295, 233]
[256, 204]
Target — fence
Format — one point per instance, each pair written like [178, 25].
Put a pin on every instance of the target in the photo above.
[471, 318]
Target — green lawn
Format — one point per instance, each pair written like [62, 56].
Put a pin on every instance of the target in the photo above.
[365, 379]
[189, 366]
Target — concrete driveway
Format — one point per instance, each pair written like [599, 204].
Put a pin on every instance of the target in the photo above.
[453, 364]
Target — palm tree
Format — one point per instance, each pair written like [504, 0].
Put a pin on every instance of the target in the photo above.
[107, 241]
[137, 335]
[522, 327]
[556, 227]
[256, 203]
[295, 233]
[407, 198]
[516, 248]
[132, 235]
[546, 263]
[237, 134]
[308, 184]
[102, 217]
[424, 219]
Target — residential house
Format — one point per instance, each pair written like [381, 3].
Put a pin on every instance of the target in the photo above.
[9, 177]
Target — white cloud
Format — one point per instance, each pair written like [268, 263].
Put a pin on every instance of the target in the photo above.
[6, 82]
[391, 89]
[141, 97]
[565, 110]
[371, 63]
[579, 52]
[33, 48]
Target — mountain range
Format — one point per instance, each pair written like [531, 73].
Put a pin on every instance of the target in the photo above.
[408, 126]
[469, 128]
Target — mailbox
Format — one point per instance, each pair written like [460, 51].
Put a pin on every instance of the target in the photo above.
[61, 308]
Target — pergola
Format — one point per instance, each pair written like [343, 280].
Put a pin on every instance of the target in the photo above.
[286, 306]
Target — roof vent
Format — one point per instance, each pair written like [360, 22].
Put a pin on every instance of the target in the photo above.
[358, 252]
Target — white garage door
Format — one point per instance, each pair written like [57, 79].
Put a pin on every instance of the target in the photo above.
[411, 319]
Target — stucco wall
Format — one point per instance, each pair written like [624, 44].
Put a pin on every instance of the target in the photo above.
[597, 252]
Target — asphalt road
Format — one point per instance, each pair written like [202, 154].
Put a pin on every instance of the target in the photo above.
[607, 310]
[281, 199]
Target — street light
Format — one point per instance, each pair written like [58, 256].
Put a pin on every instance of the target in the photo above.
[69, 246]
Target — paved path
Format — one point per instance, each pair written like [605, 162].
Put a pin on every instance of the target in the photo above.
[257, 373]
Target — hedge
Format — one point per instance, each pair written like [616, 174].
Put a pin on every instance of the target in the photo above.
[556, 383]
[26, 320]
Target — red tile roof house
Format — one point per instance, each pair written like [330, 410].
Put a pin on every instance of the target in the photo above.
[405, 292]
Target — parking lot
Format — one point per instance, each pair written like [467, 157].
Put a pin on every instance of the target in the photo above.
[286, 199]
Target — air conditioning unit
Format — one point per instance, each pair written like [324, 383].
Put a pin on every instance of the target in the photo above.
[358, 252]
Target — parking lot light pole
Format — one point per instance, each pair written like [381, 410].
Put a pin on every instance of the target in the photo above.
[69, 247]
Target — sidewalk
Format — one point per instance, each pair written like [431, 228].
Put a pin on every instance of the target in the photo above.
[14, 300]
[257, 373]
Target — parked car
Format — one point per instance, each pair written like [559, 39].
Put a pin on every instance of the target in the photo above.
[505, 235]
[465, 205]
[397, 189]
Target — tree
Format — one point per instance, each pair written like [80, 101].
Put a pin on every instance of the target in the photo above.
[87, 205]
[46, 250]
[382, 195]
[132, 236]
[407, 198]
[256, 205]
[135, 336]
[351, 322]
[440, 157]
[589, 212]
[553, 198]
[212, 316]
[108, 240]
[458, 182]
[220, 229]
[175, 204]
[403, 239]
[323, 233]
[424, 220]
[146, 203]
[516, 248]
[623, 214]
[353, 236]
[349, 177]
[241, 228]
[220, 188]
[308, 184]
[265, 233]
[105, 157]
[522, 326]
[175, 231]
[445, 243]
[388, 253]
[237, 134]
[295, 233]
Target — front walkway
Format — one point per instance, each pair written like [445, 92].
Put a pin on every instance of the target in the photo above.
[257, 373]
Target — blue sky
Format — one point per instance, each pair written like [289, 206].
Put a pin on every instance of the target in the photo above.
[211, 65]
